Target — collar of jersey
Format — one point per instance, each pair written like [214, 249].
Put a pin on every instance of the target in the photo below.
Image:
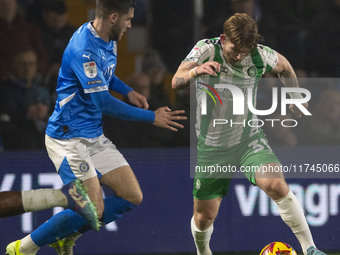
[107, 45]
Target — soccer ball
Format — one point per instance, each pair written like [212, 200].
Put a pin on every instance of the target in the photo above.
[278, 248]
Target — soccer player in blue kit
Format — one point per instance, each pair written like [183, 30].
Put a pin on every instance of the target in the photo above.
[74, 135]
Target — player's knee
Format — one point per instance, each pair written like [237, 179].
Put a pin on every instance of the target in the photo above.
[136, 197]
[203, 221]
[275, 188]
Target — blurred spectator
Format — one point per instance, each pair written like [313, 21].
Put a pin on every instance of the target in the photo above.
[134, 134]
[284, 27]
[56, 33]
[23, 77]
[149, 83]
[323, 45]
[16, 33]
[212, 20]
[250, 7]
[183, 102]
[33, 10]
[24, 105]
[154, 68]
[141, 83]
[323, 127]
[278, 134]
[172, 39]
[28, 133]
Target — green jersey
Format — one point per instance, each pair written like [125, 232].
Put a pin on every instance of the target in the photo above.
[244, 75]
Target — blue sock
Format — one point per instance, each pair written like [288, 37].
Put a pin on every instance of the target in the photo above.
[58, 227]
[68, 222]
[115, 207]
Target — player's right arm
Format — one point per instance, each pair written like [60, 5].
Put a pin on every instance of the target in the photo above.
[191, 70]
[197, 63]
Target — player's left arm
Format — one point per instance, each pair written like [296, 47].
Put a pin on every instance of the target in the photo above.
[135, 98]
[287, 75]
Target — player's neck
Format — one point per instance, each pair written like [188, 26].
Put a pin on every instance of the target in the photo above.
[101, 29]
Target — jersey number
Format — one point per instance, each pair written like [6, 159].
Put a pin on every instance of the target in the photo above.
[259, 145]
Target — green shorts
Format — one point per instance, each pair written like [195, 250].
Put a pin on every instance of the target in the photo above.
[215, 169]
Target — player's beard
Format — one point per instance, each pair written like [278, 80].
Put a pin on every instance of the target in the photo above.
[114, 36]
[116, 32]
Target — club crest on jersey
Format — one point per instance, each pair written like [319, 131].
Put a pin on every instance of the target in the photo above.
[90, 69]
[252, 72]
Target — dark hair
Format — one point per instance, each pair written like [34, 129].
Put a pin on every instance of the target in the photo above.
[242, 31]
[55, 6]
[23, 49]
[106, 7]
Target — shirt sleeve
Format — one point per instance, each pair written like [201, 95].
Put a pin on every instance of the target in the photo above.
[269, 56]
[118, 109]
[86, 66]
[202, 51]
[118, 86]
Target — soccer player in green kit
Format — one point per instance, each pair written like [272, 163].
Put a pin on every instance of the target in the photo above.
[236, 58]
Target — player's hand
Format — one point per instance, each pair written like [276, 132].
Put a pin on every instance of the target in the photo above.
[138, 99]
[210, 67]
[296, 111]
[165, 118]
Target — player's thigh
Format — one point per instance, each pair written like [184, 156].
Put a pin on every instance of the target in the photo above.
[210, 186]
[114, 171]
[124, 183]
[256, 152]
[210, 180]
[71, 158]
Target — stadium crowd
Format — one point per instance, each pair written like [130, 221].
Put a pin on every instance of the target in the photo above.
[34, 34]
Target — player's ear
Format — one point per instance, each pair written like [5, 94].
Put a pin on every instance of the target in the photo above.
[223, 38]
[113, 17]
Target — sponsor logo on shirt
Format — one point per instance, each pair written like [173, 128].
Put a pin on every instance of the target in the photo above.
[86, 56]
[224, 69]
[90, 69]
[94, 82]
